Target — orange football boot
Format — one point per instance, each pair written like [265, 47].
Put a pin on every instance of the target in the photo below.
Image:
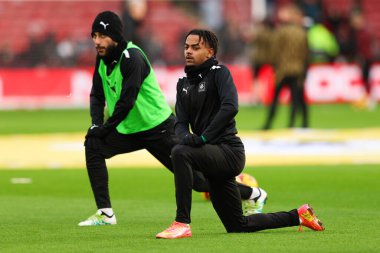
[308, 218]
[176, 230]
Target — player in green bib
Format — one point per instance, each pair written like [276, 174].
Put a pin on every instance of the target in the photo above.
[139, 116]
[150, 108]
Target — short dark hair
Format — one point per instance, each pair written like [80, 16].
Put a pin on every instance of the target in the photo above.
[208, 37]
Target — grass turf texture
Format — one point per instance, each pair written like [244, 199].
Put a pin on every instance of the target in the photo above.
[248, 118]
[43, 216]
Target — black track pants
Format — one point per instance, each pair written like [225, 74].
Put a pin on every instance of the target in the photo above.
[158, 141]
[220, 164]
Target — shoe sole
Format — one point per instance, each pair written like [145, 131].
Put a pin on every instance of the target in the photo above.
[182, 236]
[99, 224]
[320, 223]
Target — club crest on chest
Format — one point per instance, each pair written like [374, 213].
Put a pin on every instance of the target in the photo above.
[202, 86]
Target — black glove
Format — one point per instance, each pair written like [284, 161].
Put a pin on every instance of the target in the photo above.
[97, 131]
[93, 142]
[192, 140]
[94, 136]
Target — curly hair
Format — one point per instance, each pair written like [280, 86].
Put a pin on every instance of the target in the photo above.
[210, 38]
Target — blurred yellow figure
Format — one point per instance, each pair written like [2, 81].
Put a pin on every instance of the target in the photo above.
[243, 178]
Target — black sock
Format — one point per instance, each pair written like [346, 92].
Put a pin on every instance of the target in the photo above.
[245, 191]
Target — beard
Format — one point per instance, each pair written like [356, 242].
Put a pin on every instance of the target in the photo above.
[108, 51]
[111, 53]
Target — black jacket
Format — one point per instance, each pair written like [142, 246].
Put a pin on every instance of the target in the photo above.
[209, 106]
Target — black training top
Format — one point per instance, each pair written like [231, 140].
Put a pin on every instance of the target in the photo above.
[208, 104]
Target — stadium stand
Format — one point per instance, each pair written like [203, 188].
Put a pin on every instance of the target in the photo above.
[165, 22]
[24, 19]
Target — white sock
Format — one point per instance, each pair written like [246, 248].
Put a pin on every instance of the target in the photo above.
[107, 211]
[255, 193]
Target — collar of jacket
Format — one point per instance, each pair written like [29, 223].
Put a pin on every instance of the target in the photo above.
[195, 74]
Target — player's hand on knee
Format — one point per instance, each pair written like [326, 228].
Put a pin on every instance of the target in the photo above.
[97, 131]
[192, 140]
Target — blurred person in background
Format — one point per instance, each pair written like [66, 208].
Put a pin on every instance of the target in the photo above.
[133, 15]
[290, 52]
[6, 55]
[206, 106]
[191, 7]
[312, 10]
[260, 53]
[139, 116]
[41, 51]
[362, 46]
[66, 52]
[356, 47]
[233, 41]
[211, 13]
[323, 44]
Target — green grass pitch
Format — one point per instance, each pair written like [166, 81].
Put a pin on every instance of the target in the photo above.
[248, 118]
[43, 216]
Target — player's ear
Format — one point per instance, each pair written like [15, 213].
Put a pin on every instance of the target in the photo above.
[210, 52]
